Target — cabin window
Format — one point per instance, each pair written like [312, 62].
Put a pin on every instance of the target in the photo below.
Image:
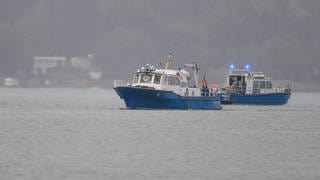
[269, 85]
[157, 79]
[262, 85]
[173, 81]
[236, 81]
[168, 80]
[255, 84]
[232, 80]
[136, 78]
[164, 80]
[146, 78]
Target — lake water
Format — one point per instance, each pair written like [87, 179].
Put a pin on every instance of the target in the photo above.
[87, 134]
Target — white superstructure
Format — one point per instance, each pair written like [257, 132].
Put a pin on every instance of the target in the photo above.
[245, 81]
[179, 81]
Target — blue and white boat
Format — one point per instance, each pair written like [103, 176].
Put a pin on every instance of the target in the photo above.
[163, 88]
[244, 86]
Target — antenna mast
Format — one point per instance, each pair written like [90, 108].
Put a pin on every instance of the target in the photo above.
[168, 61]
[195, 68]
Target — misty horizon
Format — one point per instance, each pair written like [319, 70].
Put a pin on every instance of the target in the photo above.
[280, 38]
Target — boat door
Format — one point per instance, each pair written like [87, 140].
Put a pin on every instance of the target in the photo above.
[238, 83]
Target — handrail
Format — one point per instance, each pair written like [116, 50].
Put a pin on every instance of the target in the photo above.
[119, 83]
[242, 89]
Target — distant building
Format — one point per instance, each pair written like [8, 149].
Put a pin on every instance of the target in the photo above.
[11, 82]
[62, 71]
[42, 64]
[95, 75]
[87, 64]
[84, 63]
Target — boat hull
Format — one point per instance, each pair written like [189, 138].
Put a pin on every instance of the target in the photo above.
[145, 98]
[263, 99]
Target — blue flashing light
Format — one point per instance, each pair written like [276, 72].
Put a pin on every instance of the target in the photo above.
[231, 66]
[247, 66]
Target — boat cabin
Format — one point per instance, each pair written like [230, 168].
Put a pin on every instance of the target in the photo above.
[180, 81]
[244, 81]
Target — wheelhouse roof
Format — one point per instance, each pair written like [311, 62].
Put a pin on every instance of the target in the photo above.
[239, 72]
[160, 71]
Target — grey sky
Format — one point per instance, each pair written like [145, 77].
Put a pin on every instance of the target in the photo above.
[281, 37]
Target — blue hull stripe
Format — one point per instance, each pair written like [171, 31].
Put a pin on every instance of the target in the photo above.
[270, 98]
[142, 98]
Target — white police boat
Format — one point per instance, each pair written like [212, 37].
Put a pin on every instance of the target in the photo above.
[244, 86]
[164, 88]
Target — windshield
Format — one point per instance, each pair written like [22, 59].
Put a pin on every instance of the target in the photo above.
[146, 78]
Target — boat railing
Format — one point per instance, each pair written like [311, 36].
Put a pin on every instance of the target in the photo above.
[280, 89]
[209, 91]
[119, 83]
[236, 89]
[244, 90]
